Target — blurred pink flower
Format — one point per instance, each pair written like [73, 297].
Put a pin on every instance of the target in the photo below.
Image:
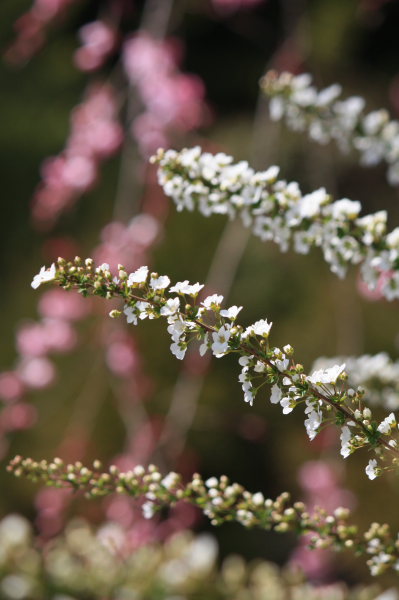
[121, 358]
[31, 340]
[120, 510]
[320, 482]
[125, 244]
[58, 304]
[95, 135]
[36, 372]
[11, 386]
[37, 339]
[316, 564]
[172, 100]
[31, 28]
[98, 41]
[18, 416]
[51, 504]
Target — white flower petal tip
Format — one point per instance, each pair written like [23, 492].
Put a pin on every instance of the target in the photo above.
[44, 276]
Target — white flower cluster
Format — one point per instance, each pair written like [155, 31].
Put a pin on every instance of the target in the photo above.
[327, 117]
[278, 211]
[291, 391]
[377, 374]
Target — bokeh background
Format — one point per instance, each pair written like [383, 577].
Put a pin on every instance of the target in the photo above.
[107, 391]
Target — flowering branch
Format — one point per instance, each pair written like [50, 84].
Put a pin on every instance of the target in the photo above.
[326, 396]
[326, 118]
[277, 210]
[221, 501]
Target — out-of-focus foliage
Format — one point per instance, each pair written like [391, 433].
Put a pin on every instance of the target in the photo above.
[86, 563]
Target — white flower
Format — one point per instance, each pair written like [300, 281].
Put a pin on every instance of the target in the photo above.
[104, 268]
[184, 287]
[144, 310]
[170, 307]
[371, 469]
[43, 276]
[231, 313]
[221, 341]
[212, 301]
[244, 360]
[312, 423]
[170, 480]
[260, 367]
[177, 349]
[326, 375]
[212, 482]
[287, 404]
[131, 314]
[204, 346]
[261, 327]
[281, 361]
[345, 438]
[148, 510]
[345, 208]
[258, 499]
[176, 329]
[311, 203]
[276, 394]
[159, 283]
[139, 276]
[247, 389]
[386, 425]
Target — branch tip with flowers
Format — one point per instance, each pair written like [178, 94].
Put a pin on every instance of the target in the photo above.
[325, 117]
[325, 393]
[278, 211]
[221, 501]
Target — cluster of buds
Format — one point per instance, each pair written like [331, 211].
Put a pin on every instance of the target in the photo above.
[325, 393]
[221, 501]
[278, 211]
[325, 116]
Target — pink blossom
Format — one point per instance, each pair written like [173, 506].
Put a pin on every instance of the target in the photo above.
[51, 504]
[61, 337]
[31, 28]
[320, 481]
[95, 135]
[120, 510]
[32, 340]
[121, 358]
[36, 372]
[11, 386]
[172, 100]
[37, 339]
[316, 564]
[98, 41]
[58, 304]
[125, 244]
[17, 416]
